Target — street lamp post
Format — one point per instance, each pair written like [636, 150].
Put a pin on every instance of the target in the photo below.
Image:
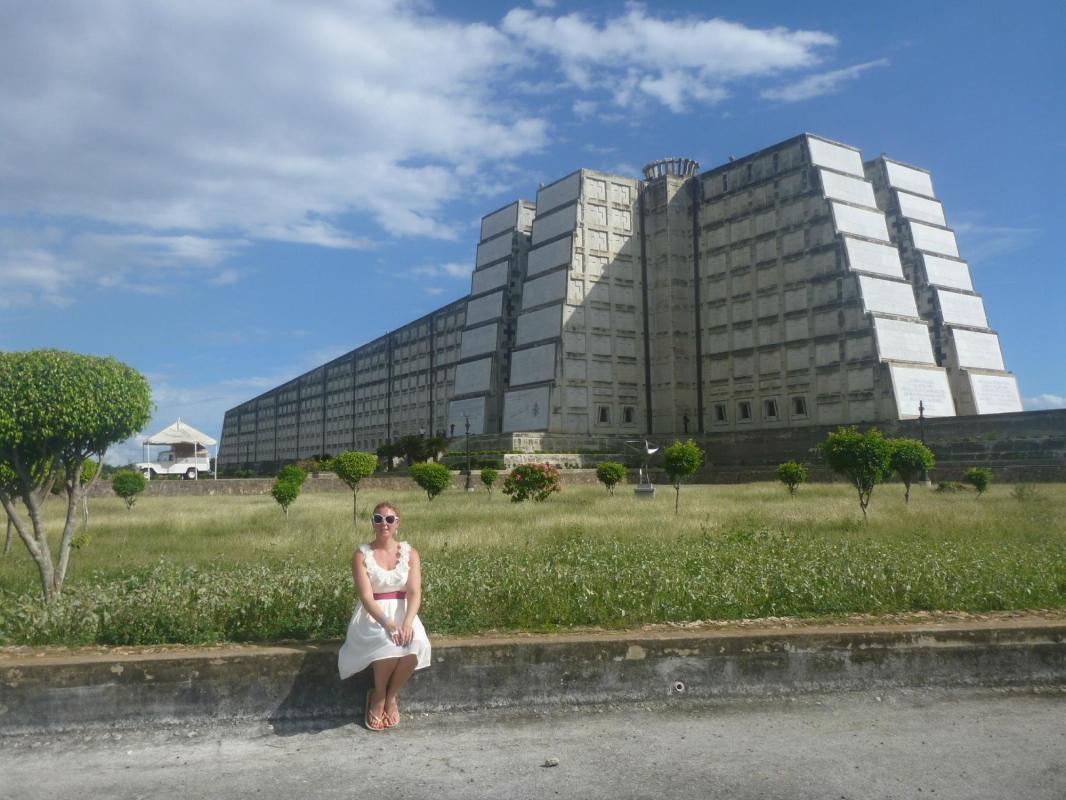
[921, 433]
[469, 477]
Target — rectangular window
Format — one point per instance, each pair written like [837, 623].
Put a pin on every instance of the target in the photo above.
[769, 409]
[799, 406]
[725, 182]
[720, 413]
[744, 411]
[629, 414]
[603, 415]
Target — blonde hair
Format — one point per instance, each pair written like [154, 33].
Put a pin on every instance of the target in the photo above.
[386, 504]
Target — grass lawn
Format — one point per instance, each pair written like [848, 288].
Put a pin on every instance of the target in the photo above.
[205, 569]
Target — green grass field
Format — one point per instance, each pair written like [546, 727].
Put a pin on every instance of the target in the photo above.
[206, 569]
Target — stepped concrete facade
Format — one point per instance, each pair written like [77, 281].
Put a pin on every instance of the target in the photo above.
[797, 286]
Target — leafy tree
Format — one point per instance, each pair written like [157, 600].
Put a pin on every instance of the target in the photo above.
[56, 410]
[610, 473]
[863, 458]
[434, 478]
[680, 460]
[351, 467]
[127, 484]
[285, 492]
[980, 478]
[386, 453]
[488, 477]
[792, 474]
[910, 459]
[532, 482]
[292, 473]
[89, 469]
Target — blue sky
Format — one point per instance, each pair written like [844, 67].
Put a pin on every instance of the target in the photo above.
[224, 195]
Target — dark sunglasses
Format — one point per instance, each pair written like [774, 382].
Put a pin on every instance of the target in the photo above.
[387, 518]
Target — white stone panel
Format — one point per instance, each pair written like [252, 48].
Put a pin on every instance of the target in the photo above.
[621, 219]
[995, 394]
[859, 221]
[577, 396]
[921, 208]
[473, 376]
[899, 340]
[595, 189]
[558, 222]
[909, 179]
[482, 309]
[460, 410]
[597, 240]
[533, 365]
[493, 250]
[620, 193]
[887, 297]
[914, 385]
[499, 221]
[478, 340]
[526, 409]
[842, 159]
[544, 290]
[962, 309]
[544, 323]
[977, 350]
[548, 256]
[558, 193]
[934, 240]
[844, 187]
[525, 217]
[944, 272]
[484, 280]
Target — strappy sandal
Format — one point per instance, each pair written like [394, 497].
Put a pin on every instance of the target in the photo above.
[392, 719]
[374, 722]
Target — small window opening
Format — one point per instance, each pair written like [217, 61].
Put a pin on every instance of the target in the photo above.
[629, 414]
[769, 409]
[799, 406]
[744, 411]
[720, 413]
[603, 414]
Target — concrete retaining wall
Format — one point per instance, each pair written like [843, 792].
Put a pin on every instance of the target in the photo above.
[287, 684]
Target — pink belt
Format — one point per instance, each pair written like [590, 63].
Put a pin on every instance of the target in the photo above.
[390, 595]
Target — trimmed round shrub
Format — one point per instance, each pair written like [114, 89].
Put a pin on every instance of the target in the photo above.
[792, 474]
[127, 484]
[532, 482]
[610, 474]
[489, 477]
[433, 478]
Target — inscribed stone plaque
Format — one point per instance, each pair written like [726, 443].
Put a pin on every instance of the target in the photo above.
[494, 250]
[532, 365]
[544, 290]
[478, 340]
[844, 187]
[473, 376]
[499, 221]
[995, 394]
[472, 407]
[558, 193]
[482, 309]
[914, 385]
[526, 409]
[962, 309]
[899, 340]
[548, 256]
[859, 221]
[934, 240]
[920, 208]
[842, 159]
[945, 272]
[909, 179]
[549, 226]
[888, 297]
[484, 280]
[544, 323]
[977, 350]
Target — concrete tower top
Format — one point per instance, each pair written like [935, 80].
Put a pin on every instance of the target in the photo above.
[682, 167]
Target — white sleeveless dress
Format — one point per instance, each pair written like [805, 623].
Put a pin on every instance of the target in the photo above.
[367, 640]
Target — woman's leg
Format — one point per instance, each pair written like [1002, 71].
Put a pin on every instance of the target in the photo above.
[401, 672]
[383, 672]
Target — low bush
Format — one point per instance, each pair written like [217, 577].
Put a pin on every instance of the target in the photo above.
[792, 474]
[950, 486]
[532, 482]
[610, 474]
[433, 478]
[127, 484]
[979, 478]
[488, 477]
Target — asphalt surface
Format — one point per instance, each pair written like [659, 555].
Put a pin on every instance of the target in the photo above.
[970, 745]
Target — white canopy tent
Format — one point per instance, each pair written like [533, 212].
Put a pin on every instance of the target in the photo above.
[178, 434]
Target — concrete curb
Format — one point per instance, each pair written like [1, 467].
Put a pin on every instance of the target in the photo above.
[290, 684]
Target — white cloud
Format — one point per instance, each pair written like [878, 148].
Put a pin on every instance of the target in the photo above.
[979, 241]
[1044, 401]
[676, 62]
[820, 84]
[450, 270]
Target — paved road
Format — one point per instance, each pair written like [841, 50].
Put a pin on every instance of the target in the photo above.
[902, 744]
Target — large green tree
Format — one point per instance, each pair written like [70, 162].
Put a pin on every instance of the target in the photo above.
[58, 409]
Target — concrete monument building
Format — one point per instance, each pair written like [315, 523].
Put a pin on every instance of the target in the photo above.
[796, 286]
